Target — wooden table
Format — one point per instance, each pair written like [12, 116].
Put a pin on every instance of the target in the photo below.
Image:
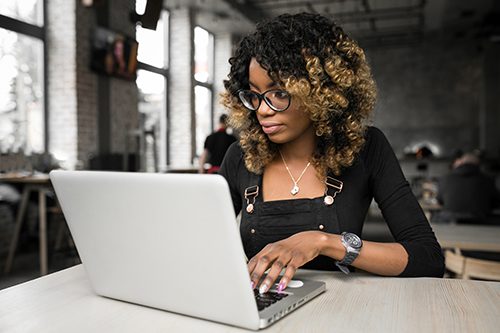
[39, 183]
[468, 236]
[64, 302]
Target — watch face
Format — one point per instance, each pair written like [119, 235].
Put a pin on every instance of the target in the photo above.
[353, 240]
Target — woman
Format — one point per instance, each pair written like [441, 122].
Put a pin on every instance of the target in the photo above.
[307, 166]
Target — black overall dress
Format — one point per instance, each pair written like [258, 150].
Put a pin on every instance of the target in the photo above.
[272, 221]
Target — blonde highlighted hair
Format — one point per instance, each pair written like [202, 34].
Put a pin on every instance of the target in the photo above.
[324, 71]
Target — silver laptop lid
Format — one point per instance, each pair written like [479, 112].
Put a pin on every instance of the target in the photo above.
[161, 240]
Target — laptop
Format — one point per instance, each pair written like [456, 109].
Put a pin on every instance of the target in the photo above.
[168, 241]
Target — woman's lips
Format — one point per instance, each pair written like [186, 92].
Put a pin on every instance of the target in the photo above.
[270, 128]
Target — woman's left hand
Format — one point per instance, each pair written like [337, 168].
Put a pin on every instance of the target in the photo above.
[290, 253]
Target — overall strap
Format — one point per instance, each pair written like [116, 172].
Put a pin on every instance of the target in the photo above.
[252, 192]
[333, 187]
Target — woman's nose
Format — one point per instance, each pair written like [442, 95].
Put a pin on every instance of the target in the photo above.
[265, 110]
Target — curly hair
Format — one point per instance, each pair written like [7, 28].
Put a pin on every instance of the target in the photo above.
[324, 70]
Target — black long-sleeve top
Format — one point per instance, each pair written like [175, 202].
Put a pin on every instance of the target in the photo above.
[374, 174]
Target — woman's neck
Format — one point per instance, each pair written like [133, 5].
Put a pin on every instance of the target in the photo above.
[300, 149]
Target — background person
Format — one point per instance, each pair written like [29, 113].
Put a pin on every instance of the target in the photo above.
[307, 166]
[466, 193]
[215, 147]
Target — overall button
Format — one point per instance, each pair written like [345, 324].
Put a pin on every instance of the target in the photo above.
[321, 227]
[252, 231]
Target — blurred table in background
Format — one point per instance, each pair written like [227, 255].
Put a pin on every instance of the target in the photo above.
[468, 236]
[39, 183]
[430, 208]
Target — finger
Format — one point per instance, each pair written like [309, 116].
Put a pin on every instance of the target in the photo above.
[273, 273]
[262, 263]
[251, 264]
[290, 271]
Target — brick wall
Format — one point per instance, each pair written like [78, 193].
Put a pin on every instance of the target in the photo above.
[86, 86]
[62, 93]
[180, 89]
[73, 87]
[223, 48]
[123, 94]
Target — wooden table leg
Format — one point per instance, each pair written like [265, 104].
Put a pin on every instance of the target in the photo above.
[17, 228]
[42, 229]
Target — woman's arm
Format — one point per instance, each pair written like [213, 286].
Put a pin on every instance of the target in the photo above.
[416, 251]
[289, 254]
[401, 210]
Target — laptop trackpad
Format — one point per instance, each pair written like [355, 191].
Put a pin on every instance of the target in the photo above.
[294, 284]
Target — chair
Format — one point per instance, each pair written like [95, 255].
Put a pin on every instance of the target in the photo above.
[471, 268]
[455, 262]
[481, 269]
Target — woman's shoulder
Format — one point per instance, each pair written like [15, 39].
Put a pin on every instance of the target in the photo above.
[374, 134]
[233, 158]
[375, 139]
[376, 145]
[234, 152]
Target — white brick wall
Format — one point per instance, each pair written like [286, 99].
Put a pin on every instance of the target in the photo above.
[62, 97]
[180, 88]
[223, 50]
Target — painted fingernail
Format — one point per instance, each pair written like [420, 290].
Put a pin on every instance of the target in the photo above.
[281, 286]
[252, 284]
[263, 288]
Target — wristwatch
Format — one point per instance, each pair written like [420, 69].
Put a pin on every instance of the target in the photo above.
[352, 244]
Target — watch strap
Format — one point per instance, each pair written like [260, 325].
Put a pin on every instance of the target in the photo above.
[350, 255]
[343, 268]
[348, 258]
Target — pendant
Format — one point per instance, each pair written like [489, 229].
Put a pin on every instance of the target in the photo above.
[250, 208]
[295, 189]
[328, 200]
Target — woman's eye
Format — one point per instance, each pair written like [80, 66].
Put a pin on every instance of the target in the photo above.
[281, 94]
[254, 97]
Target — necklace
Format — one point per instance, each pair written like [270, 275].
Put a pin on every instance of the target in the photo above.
[295, 189]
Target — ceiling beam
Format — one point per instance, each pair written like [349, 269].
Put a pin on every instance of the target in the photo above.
[379, 14]
[289, 4]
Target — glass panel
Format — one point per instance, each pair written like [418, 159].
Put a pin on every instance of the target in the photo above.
[153, 110]
[203, 55]
[22, 119]
[29, 11]
[153, 45]
[203, 108]
[140, 6]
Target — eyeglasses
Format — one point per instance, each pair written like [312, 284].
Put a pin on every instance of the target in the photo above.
[278, 100]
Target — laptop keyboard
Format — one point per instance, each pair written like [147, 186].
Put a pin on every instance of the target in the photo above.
[265, 300]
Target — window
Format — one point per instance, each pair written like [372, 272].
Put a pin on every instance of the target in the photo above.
[29, 11]
[203, 108]
[152, 82]
[152, 108]
[22, 100]
[203, 89]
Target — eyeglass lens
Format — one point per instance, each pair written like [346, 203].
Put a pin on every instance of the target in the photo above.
[278, 100]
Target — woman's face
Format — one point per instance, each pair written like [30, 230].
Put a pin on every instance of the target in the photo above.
[281, 127]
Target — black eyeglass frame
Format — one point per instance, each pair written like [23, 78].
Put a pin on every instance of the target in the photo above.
[263, 97]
